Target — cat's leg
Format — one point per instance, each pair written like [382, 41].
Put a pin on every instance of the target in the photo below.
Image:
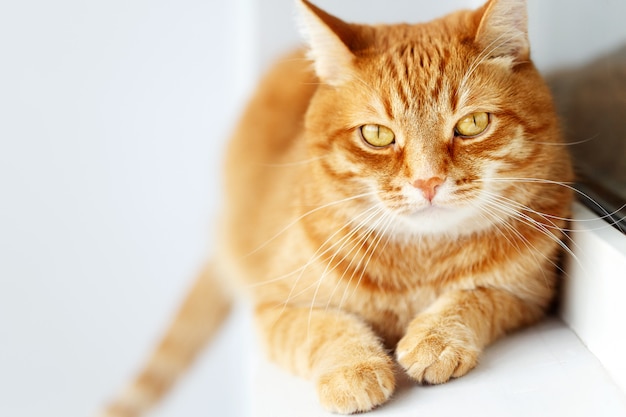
[337, 350]
[445, 340]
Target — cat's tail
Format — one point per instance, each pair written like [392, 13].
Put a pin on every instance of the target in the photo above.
[198, 319]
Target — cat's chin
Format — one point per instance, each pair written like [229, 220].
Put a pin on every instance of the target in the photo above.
[430, 211]
[440, 220]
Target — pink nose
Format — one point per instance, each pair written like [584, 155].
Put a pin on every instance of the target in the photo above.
[429, 186]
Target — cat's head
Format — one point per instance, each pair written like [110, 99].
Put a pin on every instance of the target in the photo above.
[430, 119]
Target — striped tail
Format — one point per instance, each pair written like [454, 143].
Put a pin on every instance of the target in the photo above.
[198, 319]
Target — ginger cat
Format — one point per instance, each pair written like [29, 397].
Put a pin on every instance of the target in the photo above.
[394, 198]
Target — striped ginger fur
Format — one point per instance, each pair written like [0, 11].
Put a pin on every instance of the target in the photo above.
[198, 319]
[419, 253]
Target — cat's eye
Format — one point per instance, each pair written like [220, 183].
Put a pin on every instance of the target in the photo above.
[472, 125]
[377, 135]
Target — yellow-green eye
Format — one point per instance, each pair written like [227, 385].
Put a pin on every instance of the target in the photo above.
[377, 135]
[472, 125]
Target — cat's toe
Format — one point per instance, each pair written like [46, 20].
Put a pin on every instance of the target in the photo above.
[433, 356]
[356, 388]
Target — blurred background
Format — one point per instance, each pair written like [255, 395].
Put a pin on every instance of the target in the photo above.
[113, 119]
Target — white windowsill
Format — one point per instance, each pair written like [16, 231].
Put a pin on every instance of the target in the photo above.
[542, 371]
[594, 290]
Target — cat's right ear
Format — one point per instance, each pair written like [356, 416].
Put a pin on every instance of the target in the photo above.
[503, 30]
[330, 40]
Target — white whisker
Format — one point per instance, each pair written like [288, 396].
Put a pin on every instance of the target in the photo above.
[594, 137]
[520, 238]
[294, 222]
[362, 242]
[317, 255]
[313, 258]
[357, 245]
[529, 221]
[295, 163]
[377, 240]
[326, 271]
[609, 217]
[344, 241]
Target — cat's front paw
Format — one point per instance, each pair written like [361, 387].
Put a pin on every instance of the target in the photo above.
[433, 352]
[356, 388]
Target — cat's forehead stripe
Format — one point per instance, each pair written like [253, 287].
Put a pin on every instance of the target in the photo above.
[414, 77]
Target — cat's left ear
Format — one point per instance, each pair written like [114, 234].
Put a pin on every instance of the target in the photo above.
[503, 30]
[330, 40]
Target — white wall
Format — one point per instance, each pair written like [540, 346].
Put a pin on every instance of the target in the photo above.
[572, 32]
[113, 116]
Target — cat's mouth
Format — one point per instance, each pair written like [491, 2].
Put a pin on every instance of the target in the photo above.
[440, 218]
[430, 209]
[412, 207]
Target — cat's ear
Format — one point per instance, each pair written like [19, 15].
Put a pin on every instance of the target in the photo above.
[329, 40]
[503, 30]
